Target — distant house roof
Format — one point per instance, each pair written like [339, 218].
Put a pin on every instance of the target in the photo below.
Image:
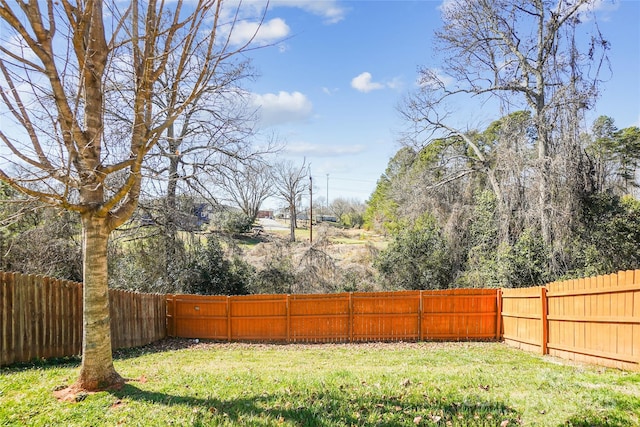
[265, 214]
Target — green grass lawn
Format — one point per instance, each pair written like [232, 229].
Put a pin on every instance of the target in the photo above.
[179, 382]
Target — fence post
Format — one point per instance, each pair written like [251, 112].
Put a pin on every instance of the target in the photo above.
[18, 317]
[228, 318]
[171, 308]
[498, 314]
[350, 316]
[420, 310]
[543, 317]
[288, 319]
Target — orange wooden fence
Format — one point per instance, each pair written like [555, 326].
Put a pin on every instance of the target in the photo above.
[594, 320]
[41, 317]
[460, 314]
[522, 318]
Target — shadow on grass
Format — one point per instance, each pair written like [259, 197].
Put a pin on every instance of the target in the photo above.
[208, 408]
[597, 420]
[161, 346]
[622, 411]
[328, 408]
[167, 344]
[56, 362]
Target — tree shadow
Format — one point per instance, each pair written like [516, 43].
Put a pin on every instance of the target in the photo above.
[618, 410]
[233, 409]
[55, 362]
[329, 408]
[160, 346]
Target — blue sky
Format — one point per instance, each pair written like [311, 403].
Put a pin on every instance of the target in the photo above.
[330, 89]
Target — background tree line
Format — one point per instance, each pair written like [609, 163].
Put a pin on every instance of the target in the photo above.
[447, 227]
[534, 196]
[208, 257]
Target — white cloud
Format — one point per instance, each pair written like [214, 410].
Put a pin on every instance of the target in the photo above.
[269, 32]
[448, 6]
[328, 91]
[18, 46]
[364, 83]
[330, 10]
[321, 150]
[283, 47]
[395, 83]
[433, 78]
[283, 107]
[601, 7]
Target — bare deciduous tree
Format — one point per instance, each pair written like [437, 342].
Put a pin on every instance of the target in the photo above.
[211, 134]
[247, 185]
[289, 183]
[64, 65]
[348, 211]
[526, 55]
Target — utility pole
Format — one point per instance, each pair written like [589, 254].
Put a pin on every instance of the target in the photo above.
[310, 206]
[327, 194]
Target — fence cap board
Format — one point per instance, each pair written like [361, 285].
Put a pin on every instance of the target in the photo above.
[312, 297]
[533, 292]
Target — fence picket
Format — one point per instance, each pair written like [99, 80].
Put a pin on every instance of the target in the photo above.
[7, 350]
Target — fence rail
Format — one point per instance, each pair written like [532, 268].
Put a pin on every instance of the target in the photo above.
[461, 314]
[41, 317]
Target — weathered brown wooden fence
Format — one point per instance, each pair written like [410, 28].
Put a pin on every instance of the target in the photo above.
[460, 314]
[136, 318]
[41, 317]
[594, 320]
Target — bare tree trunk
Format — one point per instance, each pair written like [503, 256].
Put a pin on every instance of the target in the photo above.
[544, 171]
[292, 222]
[97, 370]
[287, 179]
[170, 226]
[67, 150]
